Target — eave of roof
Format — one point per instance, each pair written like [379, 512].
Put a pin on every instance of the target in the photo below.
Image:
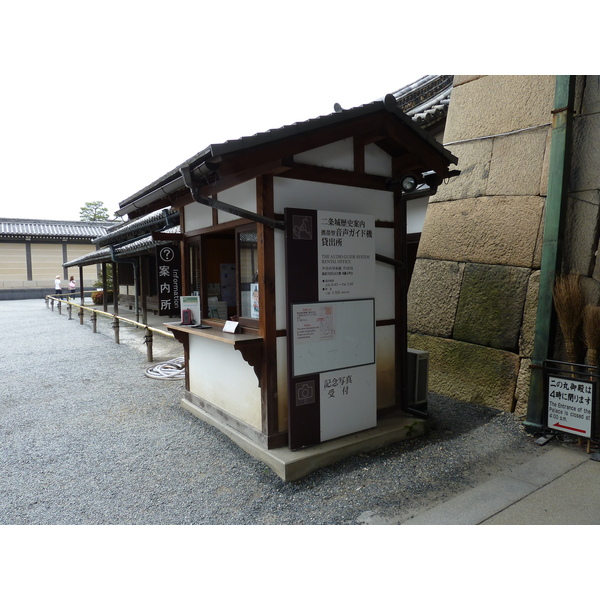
[45, 229]
[172, 181]
[139, 226]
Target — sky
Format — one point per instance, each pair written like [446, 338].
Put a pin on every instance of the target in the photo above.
[101, 99]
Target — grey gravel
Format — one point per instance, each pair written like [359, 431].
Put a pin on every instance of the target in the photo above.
[87, 438]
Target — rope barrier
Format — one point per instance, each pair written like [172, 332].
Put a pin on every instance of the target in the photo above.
[172, 369]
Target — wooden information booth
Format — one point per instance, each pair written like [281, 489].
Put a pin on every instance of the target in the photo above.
[354, 172]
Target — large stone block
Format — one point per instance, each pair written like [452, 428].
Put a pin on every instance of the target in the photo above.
[497, 230]
[581, 232]
[522, 389]
[527, 337]
[433, 297]
[474, 164]
[585, 162]
[469, 372]
[498, 104]
[490, 307]
[462, 79]
[517, 164]
[590, 89]
[546, 164]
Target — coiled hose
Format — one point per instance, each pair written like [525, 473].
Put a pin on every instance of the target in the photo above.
[172, 369]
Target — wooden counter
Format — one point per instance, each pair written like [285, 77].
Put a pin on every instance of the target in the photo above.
[250, 346]
[214, 333]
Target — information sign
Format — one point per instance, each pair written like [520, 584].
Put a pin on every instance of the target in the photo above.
[168, 264]
[570, 405]
[330, 267]
[346, 255]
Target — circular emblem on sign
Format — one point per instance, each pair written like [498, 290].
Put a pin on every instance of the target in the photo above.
[167, 254]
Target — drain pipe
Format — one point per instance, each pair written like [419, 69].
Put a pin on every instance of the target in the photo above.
[556, 202]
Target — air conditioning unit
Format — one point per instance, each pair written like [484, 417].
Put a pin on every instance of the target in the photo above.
[418, 379]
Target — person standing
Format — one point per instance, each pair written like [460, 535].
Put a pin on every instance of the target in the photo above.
[58, 285]
[72, 286]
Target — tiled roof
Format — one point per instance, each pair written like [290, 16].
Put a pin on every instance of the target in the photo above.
[136, 227]
[42, 229]
[135, 247]
[426, 100]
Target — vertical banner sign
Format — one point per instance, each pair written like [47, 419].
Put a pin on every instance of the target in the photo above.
[330, 262]
[168, 263]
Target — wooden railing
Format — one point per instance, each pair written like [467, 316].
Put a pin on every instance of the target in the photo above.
[61, 299]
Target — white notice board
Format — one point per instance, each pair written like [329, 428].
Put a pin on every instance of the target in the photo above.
[333, 335]
[570, 405]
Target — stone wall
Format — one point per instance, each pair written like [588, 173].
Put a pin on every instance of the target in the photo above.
[472, 301]
[473, 295]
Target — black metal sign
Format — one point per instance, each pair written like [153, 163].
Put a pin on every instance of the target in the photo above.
[168, 262]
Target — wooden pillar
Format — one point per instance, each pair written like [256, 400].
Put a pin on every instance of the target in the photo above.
[81, 295]
[267, 314]
[105, 285]
[143, 270]
[185, 259]
[400, 292]
[115, 271]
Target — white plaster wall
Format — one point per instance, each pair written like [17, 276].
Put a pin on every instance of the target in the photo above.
[282, 383]
[415, 215]
[241, 196]
[325, 196]
[384, 275]
[211, 367]
[339, 155]
[197, 216]
[280, 281]
[377, 162]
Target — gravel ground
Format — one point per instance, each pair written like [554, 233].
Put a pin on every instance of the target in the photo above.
[87, 438]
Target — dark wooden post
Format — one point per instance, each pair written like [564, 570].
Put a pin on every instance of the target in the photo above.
[105, 285]
[81, 295]
[148, 341]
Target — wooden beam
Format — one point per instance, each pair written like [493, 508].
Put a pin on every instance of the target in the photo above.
[334, 176]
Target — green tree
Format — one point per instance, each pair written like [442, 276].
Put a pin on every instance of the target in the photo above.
[94, 211]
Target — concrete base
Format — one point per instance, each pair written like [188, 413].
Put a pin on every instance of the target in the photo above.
[293, 465]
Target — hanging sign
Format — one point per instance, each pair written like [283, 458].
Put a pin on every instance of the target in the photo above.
[168, 264]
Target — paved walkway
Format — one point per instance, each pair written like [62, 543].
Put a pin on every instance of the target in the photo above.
[561, 487]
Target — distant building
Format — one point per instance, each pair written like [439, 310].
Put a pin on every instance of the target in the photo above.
[32, 253]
